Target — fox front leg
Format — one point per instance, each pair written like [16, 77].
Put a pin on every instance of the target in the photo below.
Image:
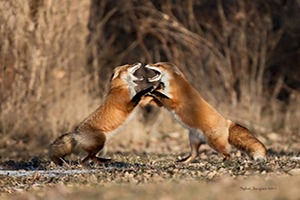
[137, 98]
[164, 99]
[160, 87]
[159, 95]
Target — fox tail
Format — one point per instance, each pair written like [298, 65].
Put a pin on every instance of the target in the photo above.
[61, 147]
[243, 139]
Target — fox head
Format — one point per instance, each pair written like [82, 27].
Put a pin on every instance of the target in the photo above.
[124, 76]
[165, 72]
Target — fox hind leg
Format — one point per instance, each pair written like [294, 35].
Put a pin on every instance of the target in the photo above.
[93, 148]
[85, 160]
[195, 143]
[220, 144]
[92, 155]
[98, 159]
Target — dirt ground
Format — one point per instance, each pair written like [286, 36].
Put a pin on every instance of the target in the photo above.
[149, 171]
[154, 176]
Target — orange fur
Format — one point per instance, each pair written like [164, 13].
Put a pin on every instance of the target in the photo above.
[149, 100]
[92, 133]
[205, 123]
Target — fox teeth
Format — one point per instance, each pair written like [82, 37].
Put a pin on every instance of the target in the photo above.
[156, 77]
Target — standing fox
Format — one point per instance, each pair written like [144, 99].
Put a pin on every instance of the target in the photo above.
[108, 119]
[204, 123]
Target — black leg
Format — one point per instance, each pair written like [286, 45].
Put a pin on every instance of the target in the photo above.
[137, 98]
[159, 94]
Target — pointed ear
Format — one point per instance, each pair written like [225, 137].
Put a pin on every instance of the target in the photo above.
[115, 74]
[175, 68]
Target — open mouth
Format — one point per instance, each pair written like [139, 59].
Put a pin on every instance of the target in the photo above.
[157, 72]
[134, 69]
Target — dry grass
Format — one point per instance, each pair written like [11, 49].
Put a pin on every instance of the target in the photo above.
[43, 78]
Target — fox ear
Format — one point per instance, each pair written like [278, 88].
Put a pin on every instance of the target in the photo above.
[175, 68]
[115, 74]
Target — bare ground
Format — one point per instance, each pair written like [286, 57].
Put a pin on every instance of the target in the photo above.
[154, 176]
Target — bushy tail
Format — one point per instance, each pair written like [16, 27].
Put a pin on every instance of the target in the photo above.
[61, 147]
[243, 139]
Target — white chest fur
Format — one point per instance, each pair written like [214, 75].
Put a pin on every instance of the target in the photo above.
[195, 133]
[166, 81]
[131, 89]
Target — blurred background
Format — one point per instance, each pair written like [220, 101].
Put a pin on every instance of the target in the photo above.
[56, 58]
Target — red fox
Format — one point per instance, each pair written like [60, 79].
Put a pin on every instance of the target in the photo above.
[107, 120]
[204, 123]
